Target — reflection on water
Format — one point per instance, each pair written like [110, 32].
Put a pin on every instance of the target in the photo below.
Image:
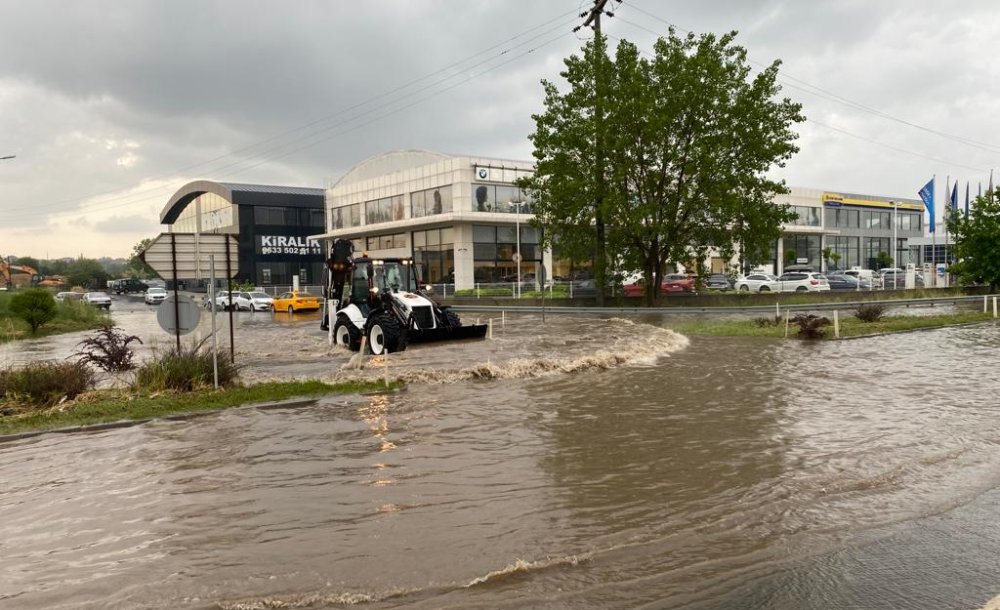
[577, 463]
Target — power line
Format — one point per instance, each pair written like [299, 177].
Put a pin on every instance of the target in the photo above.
[53, 206]
[389, 111]
[848, 133]
[895, 148]
[838, 98]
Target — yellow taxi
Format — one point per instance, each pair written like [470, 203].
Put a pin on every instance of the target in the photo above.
[297, 300]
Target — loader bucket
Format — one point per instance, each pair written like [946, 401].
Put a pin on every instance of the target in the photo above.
[471, 331]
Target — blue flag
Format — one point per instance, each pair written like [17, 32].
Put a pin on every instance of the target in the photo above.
[966, 198]
[954, 197]
[927, 194]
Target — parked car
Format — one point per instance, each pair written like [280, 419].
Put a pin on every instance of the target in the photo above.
[758, 282]
[222, 300]
[584, 288]
[155, 296]
[864, 275]
[98, 299]
[255, 301]
[896, 278]
[678, 282]
[802, 281]
[671, 282]
[840, 281]
[297, 300]
[719, 281]
[636, 288]
[69, 296]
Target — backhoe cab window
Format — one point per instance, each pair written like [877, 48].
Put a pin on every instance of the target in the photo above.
[395, 276]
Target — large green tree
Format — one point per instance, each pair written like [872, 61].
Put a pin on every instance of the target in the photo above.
[36, 306]
[688, 138]
[976, 242]
[88, 273]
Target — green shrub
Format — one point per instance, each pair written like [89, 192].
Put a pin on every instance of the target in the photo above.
[485, 292]
[35, 306]
[42, 384]
[870, 312]
[810, 325]
[108, 349]
[184, 371]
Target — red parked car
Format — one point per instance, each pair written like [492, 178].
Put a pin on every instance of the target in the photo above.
[678, 282]
[672, 282]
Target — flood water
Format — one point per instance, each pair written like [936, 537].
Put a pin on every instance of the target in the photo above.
[580, 462]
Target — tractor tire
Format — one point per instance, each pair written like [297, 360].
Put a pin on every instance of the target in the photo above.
[453, 320]
[385, 334]
[346, 334]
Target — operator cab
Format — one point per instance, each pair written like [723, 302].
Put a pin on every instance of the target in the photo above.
[394, 276]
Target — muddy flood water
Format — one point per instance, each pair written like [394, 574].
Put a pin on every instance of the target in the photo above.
[579, 462]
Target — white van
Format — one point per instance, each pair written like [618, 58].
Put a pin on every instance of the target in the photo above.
[865, 274]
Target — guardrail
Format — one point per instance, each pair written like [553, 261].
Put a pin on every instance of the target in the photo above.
[721, 309]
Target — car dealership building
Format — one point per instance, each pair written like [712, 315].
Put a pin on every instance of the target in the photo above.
[465, 220]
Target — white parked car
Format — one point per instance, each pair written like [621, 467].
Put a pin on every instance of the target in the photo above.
[255, 301]
[155, 296]
[865, 274]
[98, 299]
[803, 281]
[222, 300]
[758, 282]
[244, 301]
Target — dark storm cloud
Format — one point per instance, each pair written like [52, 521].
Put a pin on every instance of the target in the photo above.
[129, 100]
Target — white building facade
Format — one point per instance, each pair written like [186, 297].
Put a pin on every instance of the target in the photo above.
[855, 227]
[461, 217]
[465, 220]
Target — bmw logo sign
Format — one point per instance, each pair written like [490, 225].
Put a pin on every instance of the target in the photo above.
[483, 173]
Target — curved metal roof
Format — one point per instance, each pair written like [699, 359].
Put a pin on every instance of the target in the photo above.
[390, 163]
[227, 190]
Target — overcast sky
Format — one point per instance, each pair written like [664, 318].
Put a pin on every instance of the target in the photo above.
[111, 106]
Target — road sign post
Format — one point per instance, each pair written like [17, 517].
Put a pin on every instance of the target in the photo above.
[187, 256]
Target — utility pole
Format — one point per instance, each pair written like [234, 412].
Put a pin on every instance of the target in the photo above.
[593, 19]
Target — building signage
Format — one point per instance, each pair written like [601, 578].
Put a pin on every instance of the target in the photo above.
[482, 173]
[288, 244]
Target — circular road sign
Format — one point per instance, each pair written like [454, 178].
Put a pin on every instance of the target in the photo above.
[516, 258]
[179, 316]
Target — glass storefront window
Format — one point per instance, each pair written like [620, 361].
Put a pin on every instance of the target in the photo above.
[807, 216]
[484, 233]
[484, 198]
[430, 202]
[436, 253]
[386, 209]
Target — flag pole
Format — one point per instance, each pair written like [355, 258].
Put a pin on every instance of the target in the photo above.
[934, 244]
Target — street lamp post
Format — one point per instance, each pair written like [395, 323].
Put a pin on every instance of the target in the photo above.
[895, 247]
[517, 252]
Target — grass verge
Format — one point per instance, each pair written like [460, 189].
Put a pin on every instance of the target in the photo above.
[71, 316]
[105, 406]
[849, 325]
